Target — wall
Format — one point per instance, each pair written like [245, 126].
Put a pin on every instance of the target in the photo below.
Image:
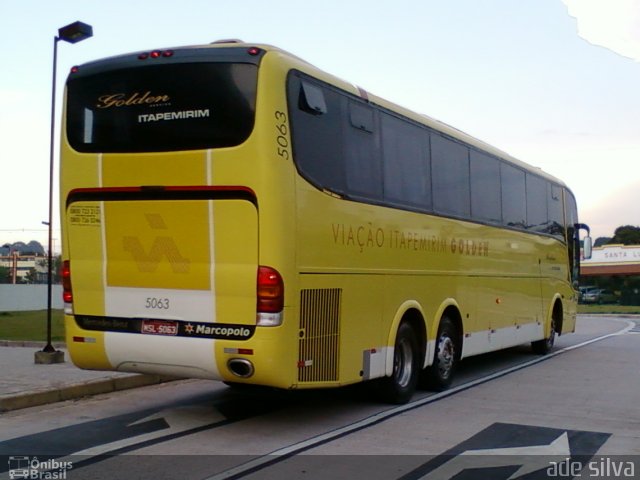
[28, 297]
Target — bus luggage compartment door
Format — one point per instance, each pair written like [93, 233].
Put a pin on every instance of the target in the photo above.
[187, 260]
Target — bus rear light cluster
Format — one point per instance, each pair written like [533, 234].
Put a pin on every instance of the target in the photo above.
[67, 294]
[270, 297]
[155, 54]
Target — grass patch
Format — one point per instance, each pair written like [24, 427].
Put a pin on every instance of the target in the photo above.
[610, 309]
[31, 326]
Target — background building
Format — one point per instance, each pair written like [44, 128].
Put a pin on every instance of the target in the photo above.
[616, 268]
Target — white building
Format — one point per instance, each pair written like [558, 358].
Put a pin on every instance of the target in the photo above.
[20, 265]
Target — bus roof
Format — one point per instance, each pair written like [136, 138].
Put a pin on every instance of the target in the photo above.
[301, 64]
[298, 63]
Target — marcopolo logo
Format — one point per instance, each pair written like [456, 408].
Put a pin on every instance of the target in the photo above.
[33, 468]
[221, 331]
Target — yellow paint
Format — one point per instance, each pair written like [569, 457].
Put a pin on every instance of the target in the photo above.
[90, 355]
[385, 261]
[161, 244]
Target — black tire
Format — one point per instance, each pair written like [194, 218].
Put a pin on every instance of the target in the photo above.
[439, 375]
[544, 346]
[401, 385]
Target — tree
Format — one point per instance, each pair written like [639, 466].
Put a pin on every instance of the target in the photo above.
[32, 276]
[600, 241]
[626, 235]
[55, 271]
[5, 275]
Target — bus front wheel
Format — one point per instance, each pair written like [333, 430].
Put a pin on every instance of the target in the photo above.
[544, 346]
[401, 385]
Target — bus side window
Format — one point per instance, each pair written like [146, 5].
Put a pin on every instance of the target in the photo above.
[514, 199]
[361, 117]
[536, 205]
[554, 207]
[361, 151]
[312, 99]
[450, 174]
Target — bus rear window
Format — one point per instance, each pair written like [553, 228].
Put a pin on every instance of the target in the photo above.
[162, 108]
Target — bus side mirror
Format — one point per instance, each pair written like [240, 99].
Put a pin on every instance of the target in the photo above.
[586, 247]
[586, 244]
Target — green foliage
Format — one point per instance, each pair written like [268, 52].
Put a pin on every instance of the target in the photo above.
[600, 241]
[5, 275]
[609, 309]
[626, 235]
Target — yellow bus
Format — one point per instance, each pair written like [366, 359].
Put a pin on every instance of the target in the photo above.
[231, 212]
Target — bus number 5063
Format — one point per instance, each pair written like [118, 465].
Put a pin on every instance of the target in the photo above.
[281, 139]
[157, 303]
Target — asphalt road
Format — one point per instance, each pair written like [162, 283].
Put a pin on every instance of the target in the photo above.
[510, 414]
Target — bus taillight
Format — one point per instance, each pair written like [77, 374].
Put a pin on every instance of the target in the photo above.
[67, 295]
[270, 297]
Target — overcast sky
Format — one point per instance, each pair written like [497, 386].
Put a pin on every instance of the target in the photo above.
[555, 83]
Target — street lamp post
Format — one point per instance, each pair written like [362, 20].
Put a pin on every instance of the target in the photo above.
[72, 33]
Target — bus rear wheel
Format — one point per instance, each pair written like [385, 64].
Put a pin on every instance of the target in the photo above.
[401, 385]
[439, 374]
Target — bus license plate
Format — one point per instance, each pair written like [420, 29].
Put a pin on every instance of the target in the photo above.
[159, 327]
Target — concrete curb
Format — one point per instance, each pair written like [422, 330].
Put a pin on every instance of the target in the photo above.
[30, 344]
[79, 390]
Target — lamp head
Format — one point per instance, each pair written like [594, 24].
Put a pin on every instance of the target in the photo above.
[75, 32]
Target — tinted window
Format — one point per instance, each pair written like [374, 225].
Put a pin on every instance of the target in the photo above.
[312, 99]
[486, 204]
[450, 173]
[406, 162]
[571, 209]
[555, 210]
[572, 235]
[162, 108]
[537, 219]
[347, 145]
[361, 116]
[514, 205]
[363, 167]
[317, 138]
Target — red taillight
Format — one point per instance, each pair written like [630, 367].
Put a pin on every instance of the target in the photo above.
[270, 290]
[253, 51]
[155, 54]
[67, 295]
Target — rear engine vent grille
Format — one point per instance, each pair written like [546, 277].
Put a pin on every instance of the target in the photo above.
[318, 357]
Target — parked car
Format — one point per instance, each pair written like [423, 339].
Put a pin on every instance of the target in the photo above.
[599, 295]
[583, 290]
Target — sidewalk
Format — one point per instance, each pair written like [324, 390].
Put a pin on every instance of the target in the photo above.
[24, 384]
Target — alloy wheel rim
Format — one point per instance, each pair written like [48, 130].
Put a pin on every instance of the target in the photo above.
[446, 354]
[403, 360]
[552, 335]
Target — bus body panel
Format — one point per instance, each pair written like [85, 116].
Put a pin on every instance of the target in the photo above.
[152, 263]
[493, 276]
[353, 269]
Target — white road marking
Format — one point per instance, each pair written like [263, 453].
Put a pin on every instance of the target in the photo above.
[309, 443]
[536, 457]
